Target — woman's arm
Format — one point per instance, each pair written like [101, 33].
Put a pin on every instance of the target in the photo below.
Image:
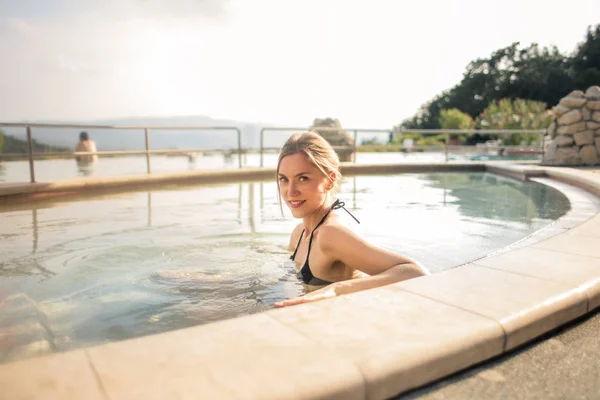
[383, 266]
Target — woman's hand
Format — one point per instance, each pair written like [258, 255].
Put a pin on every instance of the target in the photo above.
[327, 292]
[392, 275]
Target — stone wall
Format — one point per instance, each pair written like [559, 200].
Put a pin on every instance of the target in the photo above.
[335, 135]
[574, 134]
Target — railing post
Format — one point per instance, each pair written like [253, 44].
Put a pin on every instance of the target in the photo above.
[30, 151]
[355, 144]
[262, 142]
[147, 150]
[401, 138]
[446, 145]
[543, 149]
[239, 141]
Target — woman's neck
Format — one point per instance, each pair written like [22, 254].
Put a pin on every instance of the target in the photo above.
[311, 221]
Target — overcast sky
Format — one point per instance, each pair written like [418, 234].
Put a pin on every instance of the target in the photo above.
[368, 63]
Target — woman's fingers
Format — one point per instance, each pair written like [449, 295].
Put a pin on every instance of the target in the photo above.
[314, 296]
[290, 302]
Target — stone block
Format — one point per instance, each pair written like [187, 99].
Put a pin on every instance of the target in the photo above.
[583, 138]
[593, 92]
[252, 357]
[593, 105]
[592, 125]
[576, 94]
[567, 156]
[549, 152]
[570, 117]
[586, 113]
[589, 154]
[572, 102]
[571, 129]
[552, 130]
[480, 290]
[66, 376]
[596, 116]
[564, 140]
[559, 110]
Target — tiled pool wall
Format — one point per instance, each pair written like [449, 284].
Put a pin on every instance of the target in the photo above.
[373, 344]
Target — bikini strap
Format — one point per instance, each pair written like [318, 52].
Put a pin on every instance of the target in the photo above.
[340, 204]
[335, 206]
[298, 245]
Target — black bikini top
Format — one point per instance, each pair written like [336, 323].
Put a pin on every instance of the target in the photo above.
[305, 273]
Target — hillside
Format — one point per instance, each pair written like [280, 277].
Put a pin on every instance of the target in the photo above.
[14, 145]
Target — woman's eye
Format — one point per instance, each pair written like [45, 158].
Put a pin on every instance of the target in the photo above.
[303, 178]
[282, 180]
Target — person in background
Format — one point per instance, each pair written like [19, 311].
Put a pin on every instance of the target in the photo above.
[85, 144]
[330, 259]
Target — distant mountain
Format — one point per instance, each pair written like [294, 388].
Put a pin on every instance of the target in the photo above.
[118, 139]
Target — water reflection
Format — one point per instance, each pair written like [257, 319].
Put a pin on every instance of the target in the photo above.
[35, 229]
[491, 196]
[85, 168]
[149, 209]
[477, 195]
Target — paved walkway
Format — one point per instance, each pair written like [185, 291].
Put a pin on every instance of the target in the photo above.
[564, 365]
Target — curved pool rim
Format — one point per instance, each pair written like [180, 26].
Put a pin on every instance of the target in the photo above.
[372, 344]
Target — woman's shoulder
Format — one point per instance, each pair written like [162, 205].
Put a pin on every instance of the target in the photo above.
[335, 234]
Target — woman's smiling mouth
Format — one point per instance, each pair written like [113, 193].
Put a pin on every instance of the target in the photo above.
[296, 203]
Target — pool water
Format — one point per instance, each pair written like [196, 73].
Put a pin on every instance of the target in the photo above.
[92, 269]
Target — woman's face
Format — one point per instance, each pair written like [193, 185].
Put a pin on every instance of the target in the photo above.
[302, 186]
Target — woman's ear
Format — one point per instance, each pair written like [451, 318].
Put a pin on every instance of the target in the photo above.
[332, 180]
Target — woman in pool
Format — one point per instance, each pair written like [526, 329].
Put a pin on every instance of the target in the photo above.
[329, 257]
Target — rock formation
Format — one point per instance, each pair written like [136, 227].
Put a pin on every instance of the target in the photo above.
[332, 131]
[574, 134]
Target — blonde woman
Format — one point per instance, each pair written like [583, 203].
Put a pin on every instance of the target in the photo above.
[329, 257]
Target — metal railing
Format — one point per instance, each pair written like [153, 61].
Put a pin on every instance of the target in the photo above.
[483, 132]
[353, 148]
[146, 129]
[356, 131]
[399, 132]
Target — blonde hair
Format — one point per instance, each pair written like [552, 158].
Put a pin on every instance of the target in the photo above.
[317, 151]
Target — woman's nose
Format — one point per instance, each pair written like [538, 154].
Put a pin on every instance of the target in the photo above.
[292, 189]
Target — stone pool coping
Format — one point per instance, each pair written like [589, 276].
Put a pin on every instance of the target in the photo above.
[373, 344]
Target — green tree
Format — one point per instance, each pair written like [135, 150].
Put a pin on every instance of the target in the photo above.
[534, 73]
[585, 64]
[540, 74]
[516, 114]
[1, 141]
[455, 119]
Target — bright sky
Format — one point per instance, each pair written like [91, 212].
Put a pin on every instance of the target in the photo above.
[369, 63]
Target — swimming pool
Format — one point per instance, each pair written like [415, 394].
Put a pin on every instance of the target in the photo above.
[91, 269]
